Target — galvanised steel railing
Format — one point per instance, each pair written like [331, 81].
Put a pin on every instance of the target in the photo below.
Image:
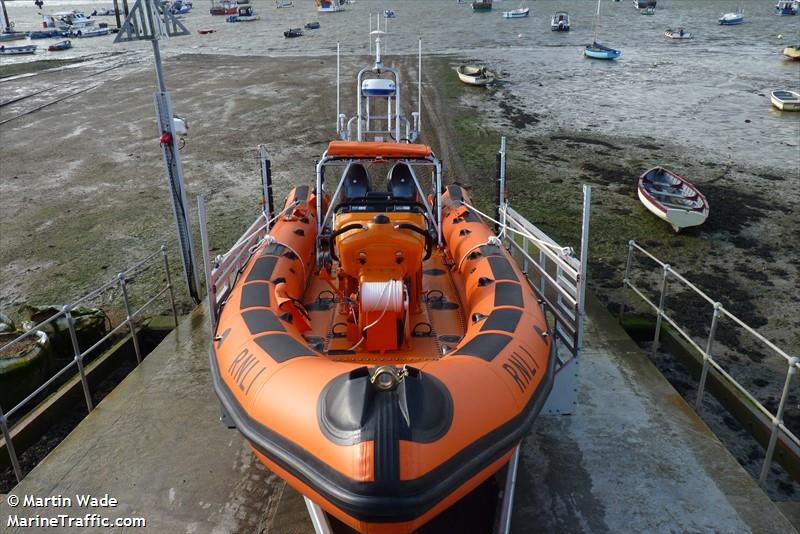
[792, 362]
[122, 282]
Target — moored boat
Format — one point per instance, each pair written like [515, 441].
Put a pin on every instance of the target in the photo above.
[381, 354]
[89, 32]
[792, 52]
[312, 25]
[245, 14]
[644, 4]
[17, 50]
[46, 34]
[224, 8]
[61, 45]
[648, 11]
[597, 50]
[179, 7]
[329, 6]
[104, 12]
[474, 75]
[293, 32]
[7, 32]
[732, 19]
[678, 34]
[785, 100]
[672, 198]
[280, 4]
[388, 14]
[785, 8]
[482, 5]
[67, 20]
[518, 13]
[206, 31]
[11, 35]
[560, 21]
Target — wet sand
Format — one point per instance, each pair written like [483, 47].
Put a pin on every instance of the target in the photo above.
[84, 194]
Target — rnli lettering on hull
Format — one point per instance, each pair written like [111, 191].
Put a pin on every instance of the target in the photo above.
[241, 367]
[521, 366]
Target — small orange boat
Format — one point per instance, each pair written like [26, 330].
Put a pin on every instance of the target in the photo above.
[376, 344]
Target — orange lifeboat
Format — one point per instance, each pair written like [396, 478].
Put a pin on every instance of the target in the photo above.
[388, 362]
[378, 347]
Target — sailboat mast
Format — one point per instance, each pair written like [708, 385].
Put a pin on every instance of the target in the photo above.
[5, 23]
[596, 22]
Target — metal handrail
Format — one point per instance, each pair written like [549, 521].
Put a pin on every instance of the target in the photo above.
[120, 281]
[793, 362]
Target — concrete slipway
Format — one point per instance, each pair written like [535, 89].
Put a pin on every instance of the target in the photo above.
[635, 458]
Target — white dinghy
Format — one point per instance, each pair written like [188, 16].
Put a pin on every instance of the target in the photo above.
[672, 198]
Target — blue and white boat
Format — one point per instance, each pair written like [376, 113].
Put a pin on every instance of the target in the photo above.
[596, 50]
[388, 14]
[246, 14]
[731, 19]
[522, 12]
[785, 8]
[47, 34]
[329, 6]
[180, 8]
[89, 32]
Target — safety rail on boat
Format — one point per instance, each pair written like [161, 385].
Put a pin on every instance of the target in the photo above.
[372, 87]
[717, 312]
[122, 282]
[557, 277]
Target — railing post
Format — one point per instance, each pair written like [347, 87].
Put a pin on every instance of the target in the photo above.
[501, 182]
[525, 256]
[268, 204]
[707, 356]
[626, 280]
[169, 285]
[12, 453]
[657, 334]
[585, 220]
[124, 286]
[78, 357]
[211, 285]
[777, 421]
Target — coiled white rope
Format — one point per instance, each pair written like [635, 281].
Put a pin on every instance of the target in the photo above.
[373, 294]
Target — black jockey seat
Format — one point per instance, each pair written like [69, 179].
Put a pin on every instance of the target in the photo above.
[356, 182]
[401, 183]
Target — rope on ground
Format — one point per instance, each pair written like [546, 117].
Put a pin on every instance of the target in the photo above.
[56, 101]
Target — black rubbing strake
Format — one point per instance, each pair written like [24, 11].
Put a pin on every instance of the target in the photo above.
[255, 295]
[387, 440]
[504, 319]
[491, 250]
[274, 249]
[283, 347]
[262, 269]
[484, 346]
[501, 269]
[301, 193]
[259, 321]
[455, 192]
[508, 294]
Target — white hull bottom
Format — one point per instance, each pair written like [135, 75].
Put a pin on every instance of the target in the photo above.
[677, 218]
